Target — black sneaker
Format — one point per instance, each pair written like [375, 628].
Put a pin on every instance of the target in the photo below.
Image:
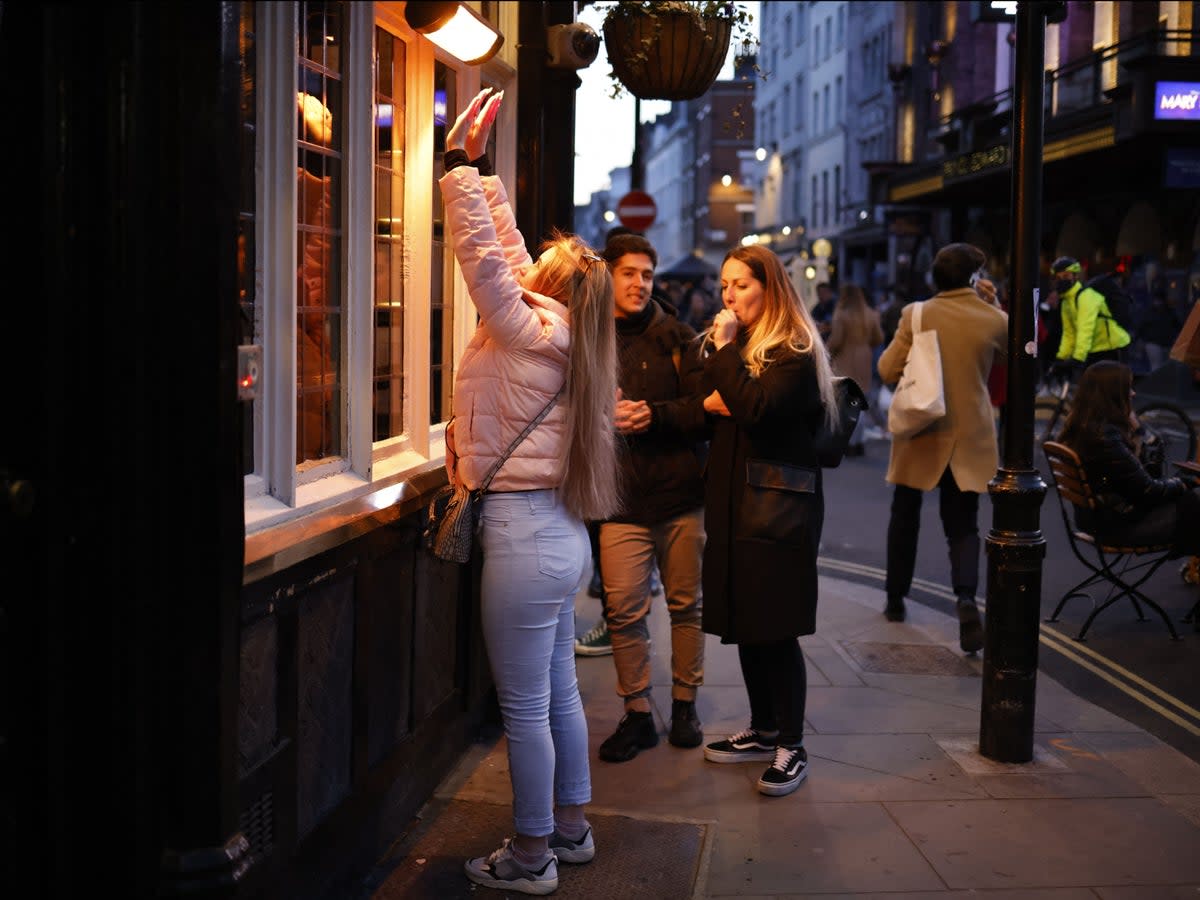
[569, 851]
[685, 725]
[748, 745]
[785, 774]
[636, 732]
[894, 611]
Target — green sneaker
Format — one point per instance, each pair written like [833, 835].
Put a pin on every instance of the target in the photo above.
[595, 642]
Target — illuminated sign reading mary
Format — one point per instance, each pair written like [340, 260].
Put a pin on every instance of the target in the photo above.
[1177, 100]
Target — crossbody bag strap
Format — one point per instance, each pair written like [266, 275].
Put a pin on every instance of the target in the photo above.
[520, 437]
[917, 316]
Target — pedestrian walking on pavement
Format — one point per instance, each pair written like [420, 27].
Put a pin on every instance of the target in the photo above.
[660, 417]
[768, 386]
[958, 453]
[542, 324]
[855, 333]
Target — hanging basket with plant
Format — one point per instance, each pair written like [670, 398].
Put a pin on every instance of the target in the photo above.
[672, 50]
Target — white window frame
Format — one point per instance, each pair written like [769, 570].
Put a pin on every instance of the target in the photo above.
[278, 491]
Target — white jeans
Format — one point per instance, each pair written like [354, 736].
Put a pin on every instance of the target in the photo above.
[535, 554]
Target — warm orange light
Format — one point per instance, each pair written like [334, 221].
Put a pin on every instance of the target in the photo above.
[456, 28]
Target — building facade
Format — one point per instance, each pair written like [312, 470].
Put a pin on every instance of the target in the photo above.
[697, 164]
[825, 116]
[241, 673]
[1120, 150]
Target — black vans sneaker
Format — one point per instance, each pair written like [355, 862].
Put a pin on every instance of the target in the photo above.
[785, 774]
[748, 745]
[636, 732]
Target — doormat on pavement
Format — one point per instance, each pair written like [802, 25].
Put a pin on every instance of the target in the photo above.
[908, 659]
[634, 857]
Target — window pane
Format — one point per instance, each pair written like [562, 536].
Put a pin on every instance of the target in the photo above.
[246, 247]
[390, 105]
[441, 314]
[318, 232]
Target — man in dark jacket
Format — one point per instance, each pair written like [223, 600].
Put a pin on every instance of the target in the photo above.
[660, 414]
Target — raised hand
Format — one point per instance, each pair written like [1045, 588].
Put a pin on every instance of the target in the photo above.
[471, 129]
[481, 127]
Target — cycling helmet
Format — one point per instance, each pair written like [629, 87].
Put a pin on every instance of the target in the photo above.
[1066, 264]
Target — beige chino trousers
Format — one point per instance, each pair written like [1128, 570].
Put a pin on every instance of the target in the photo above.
[627, 557]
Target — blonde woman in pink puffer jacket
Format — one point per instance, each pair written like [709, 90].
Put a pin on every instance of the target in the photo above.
[544, 325]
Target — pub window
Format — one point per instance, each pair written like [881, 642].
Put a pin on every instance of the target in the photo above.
[250, 330]
[341, 280]
[319, 300]
[388, 369]
[441, 297]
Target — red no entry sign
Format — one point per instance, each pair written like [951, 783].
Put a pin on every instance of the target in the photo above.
[636, 210]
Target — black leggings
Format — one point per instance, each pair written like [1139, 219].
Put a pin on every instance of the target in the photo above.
[777, 685]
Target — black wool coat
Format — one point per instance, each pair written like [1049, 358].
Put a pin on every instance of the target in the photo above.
[760, 588]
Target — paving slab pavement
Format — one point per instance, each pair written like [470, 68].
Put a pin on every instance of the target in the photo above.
[899, 803]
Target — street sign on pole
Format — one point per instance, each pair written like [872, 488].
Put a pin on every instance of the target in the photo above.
[637, 210]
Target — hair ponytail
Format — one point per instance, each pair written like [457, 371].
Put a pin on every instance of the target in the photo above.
[580, 279]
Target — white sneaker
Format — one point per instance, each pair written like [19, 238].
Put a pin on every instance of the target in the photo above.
[501, 870]
[569, 851]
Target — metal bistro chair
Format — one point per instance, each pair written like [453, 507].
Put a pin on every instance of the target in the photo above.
[1123, 569]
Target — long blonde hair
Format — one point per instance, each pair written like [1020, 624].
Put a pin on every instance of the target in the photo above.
[785, 323]
[851, 307]
[577, 277]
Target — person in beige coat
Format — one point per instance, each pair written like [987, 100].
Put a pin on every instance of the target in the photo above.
[958, 453]
[852, 340]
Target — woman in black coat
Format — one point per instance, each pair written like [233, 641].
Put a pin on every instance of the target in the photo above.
[768, 385]
[1135, 507]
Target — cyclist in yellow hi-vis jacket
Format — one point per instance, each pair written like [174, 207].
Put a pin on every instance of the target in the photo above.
[1089, 331]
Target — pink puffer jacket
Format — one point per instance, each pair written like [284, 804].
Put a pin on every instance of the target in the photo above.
[517, 358]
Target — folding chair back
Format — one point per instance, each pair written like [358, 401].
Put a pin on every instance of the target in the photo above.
[1122, 569]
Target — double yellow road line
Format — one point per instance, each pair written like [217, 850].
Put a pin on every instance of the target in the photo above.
[1153, 698]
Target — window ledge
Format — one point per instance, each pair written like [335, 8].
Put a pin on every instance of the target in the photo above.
[275, 548]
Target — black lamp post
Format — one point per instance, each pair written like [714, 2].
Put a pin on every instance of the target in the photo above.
[1015, 545]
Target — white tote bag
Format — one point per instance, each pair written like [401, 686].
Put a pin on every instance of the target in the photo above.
[918, 400]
